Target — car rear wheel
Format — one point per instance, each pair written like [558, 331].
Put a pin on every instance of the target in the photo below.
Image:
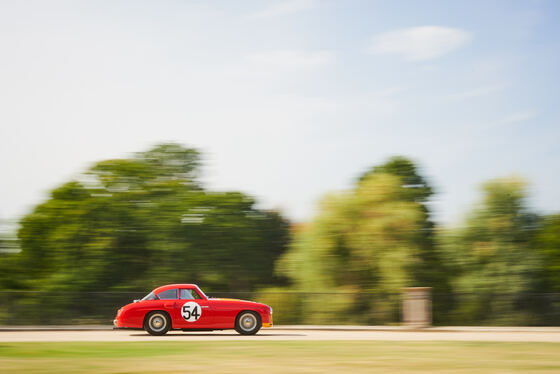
[248, 323]
[157, 323]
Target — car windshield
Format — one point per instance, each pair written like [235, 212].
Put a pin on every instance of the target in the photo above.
[202, 293]
[150, 296]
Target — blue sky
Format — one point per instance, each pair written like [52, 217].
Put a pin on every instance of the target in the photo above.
[287, 99]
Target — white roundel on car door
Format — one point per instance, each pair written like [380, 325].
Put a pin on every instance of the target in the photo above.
[191, 311]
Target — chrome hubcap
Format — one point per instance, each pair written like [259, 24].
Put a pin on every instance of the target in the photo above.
[157, 322]
[248, 322]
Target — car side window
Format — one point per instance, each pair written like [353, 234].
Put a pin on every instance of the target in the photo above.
[187, 294]
[168, 294]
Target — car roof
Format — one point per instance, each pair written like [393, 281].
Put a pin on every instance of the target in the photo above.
[177, 285]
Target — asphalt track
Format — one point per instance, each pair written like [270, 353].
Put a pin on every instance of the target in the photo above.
[293, 333]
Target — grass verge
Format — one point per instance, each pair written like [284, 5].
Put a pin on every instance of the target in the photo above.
[279, 357]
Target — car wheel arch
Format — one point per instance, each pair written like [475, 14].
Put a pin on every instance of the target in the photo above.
[248, 310]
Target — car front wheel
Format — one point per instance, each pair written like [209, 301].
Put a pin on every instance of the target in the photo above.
[248, 323]
[157, 323]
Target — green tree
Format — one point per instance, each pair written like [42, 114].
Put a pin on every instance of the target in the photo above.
[9, 249]
[376, 237]
[133, 224]
[492, 257]
[548, 246]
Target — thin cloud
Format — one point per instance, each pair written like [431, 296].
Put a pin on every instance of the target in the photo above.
[284, 7]
[290, 59]
[517, 117]
[419, 43]
[478, 92]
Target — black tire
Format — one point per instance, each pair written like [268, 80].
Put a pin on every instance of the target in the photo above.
[248, 322]
[157, 323]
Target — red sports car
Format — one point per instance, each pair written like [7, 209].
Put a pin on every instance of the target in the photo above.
[186, 307]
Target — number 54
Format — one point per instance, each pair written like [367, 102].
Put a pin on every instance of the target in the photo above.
[188, 313]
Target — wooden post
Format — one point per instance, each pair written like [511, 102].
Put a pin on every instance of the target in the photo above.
[417, 307]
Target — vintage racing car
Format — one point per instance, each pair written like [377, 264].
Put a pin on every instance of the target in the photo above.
[186, 307]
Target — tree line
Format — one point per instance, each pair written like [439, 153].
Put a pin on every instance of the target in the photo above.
[133, 224]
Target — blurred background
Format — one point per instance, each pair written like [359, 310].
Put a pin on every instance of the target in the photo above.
[318, 156]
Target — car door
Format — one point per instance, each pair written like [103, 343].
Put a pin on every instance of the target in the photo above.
[194, 311]
[168, 300]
